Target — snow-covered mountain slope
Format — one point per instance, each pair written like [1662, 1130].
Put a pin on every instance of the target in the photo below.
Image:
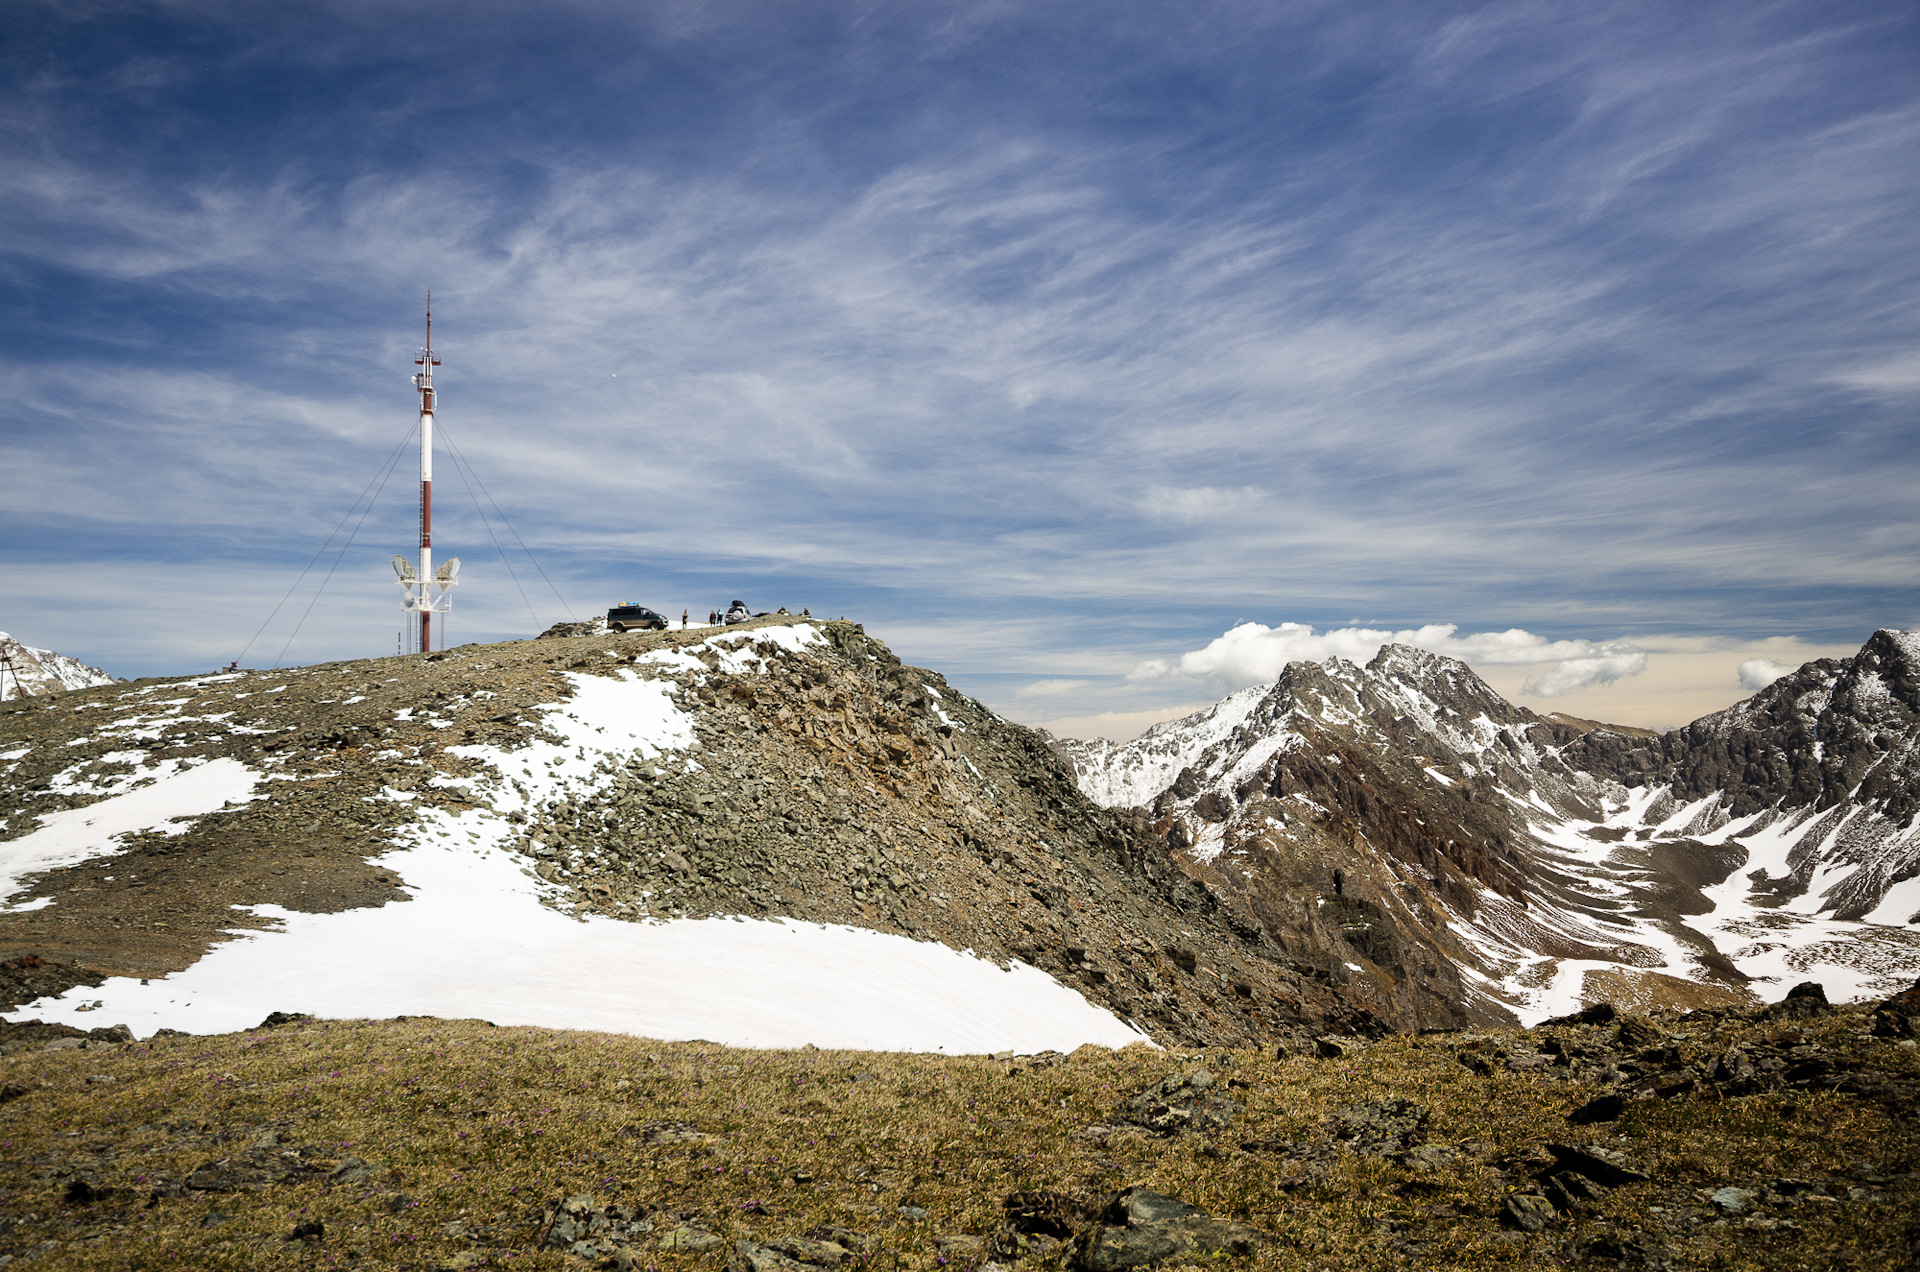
[1443, 855]
[41, 671]
[1129, 775]
[565, 831]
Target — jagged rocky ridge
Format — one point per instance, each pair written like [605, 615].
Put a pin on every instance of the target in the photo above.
[1444, 856]
[1833, 747]
[824, 781]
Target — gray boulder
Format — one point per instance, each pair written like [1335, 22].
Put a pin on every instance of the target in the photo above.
[1140, 1228]
[1175, 1104]
[786, 1254]
[1528, 1212]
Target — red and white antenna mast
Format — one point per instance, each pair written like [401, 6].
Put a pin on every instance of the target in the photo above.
[426, 591]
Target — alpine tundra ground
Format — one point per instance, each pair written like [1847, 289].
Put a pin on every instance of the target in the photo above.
[1776, 1139]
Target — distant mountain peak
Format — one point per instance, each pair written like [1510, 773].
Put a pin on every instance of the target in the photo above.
[38, 672]
[1445, 855]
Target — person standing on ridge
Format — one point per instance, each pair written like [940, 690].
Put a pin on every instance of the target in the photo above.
[683, 618]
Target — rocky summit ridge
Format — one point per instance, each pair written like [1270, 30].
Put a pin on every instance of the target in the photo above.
[808, 774]
[1444, 857]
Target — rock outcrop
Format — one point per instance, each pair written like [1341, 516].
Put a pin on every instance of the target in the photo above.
[1836, 733]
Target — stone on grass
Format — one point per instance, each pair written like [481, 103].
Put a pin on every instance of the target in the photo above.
[1175, 1104]
[1140, 1228]
[786, 1254]
[687, 1237]
[352, 1170]
[666, 1133]
[254, 1170]
[1528, 1211]
[1734, 1201]
[1380, 1128]
[1602, 1165]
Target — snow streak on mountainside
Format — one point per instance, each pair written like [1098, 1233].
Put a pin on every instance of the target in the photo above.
[41, 671]
[1445, 855]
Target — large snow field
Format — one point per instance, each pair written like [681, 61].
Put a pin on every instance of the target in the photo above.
[474, 939]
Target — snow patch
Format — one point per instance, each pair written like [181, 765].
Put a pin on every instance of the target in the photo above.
[475, 941]
[81, 834]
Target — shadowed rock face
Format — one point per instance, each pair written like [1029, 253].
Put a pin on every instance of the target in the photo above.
[1407, 835]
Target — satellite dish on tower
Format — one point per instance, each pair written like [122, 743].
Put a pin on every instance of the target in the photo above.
[446, 572]
[404, 568]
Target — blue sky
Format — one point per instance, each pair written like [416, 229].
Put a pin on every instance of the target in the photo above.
[1051, 340]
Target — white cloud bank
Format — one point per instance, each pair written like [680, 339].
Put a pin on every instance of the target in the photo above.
[1757, 673]
[1612, 661]
[1253, 653]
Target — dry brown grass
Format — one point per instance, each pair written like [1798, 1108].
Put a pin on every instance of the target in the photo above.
[467, 1124]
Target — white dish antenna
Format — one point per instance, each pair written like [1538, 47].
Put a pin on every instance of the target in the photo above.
[404, 568]
[446, 572]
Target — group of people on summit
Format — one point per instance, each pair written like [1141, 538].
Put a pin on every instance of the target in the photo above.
[738, 613]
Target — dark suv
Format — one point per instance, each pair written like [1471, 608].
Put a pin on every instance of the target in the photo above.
[629, 618]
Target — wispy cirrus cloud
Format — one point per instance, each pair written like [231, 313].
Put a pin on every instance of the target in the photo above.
[1563, 323]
